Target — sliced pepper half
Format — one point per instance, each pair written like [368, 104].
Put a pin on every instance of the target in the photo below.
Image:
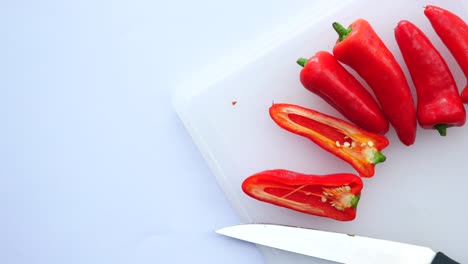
[361, 149]
[333, 196]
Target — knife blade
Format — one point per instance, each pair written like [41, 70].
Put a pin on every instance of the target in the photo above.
[342, 248]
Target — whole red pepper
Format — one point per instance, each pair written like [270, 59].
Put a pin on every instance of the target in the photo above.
[361, 48]
[324, 76]
[334, 196]
[359, 148]
[439, 104]
[453, 32]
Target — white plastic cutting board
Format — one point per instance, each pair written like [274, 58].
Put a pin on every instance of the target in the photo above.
[419, 195]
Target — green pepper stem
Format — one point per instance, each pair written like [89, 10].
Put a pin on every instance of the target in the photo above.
[355, 201]
[442, 128]
[378, 157]
[342, 31]
[302, 61]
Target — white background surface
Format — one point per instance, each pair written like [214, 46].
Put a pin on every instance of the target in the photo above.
[95, 165]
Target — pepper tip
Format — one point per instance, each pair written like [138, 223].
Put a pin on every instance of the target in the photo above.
[379, 157]
[355, 201]
[342, 31]
[442, 129]
[301, 61]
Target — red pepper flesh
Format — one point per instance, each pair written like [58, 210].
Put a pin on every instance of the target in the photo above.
[361, 48]
[359, 148]
[439, 104]
[464, 95]
[334, 196]
[324, 76]
[453, 32]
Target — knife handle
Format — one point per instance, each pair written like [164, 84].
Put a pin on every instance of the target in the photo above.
[441, 258]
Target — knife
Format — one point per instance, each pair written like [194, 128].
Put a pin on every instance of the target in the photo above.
[342, 248]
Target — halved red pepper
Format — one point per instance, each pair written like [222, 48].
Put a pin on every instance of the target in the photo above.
[359, 47]
[324, 76]
[439, 104]
[361, 149]
[334, 196]
[453, 32]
